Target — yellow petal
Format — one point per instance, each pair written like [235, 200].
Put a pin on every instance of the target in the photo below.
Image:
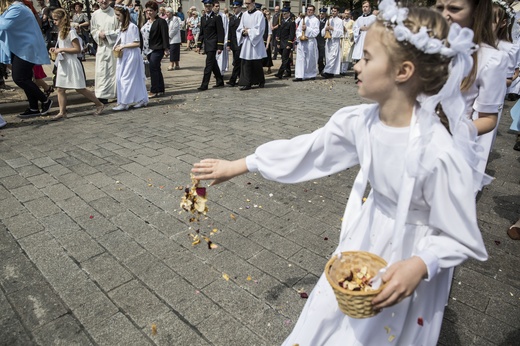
[249, 278]
[233, 216]
[154, 329]
[225, 276]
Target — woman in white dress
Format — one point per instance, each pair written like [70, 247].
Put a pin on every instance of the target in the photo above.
[70, 73]
[420, 215]
[483, 94]
[131, 80]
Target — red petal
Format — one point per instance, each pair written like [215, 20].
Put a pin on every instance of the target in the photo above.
[420, 321]
[201, 191]
[497, 242]
[91, 216]
[304, 295]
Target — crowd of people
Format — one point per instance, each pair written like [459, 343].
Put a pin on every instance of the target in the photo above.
[129, 41]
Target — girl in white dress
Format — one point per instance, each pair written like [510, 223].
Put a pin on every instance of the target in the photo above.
[420, 215]
[70, 73]
[131, 80]
[483, 94]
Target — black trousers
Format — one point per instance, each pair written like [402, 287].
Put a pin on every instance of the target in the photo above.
[211, 66]
[22, 72]
[235, 74]
[321, 57]
[274, 44]
[285, 66]
[156, 76]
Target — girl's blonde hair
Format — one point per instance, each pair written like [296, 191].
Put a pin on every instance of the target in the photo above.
[431, 70]
[64, 22]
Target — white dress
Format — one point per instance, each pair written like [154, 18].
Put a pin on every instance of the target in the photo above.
[487, 93]
[131, 81]
[307, 51]
[69, 74]
[441, 225]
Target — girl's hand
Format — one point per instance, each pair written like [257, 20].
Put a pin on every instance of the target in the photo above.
[118, 48]
[401, 278]
[57, 50]
[218, 170]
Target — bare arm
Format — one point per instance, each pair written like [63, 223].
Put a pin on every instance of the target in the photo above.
[219, 170]
[486, 122]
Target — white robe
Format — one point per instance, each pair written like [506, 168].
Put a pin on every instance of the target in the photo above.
[487, 93]
[347, 43]
[105, 77]
[441, 225]
[253, 47]
[131, 81]
[333, 47]
[223, 58]
[307, 51]
[359, 36]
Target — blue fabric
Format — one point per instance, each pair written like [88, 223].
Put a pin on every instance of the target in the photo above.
[515, 114]
[133, 16]
[20, 34]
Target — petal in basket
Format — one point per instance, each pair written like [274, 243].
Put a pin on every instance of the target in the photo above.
[354, 264]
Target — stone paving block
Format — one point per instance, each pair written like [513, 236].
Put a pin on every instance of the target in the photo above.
[83, 169]
[42, 180]
[99, 179]
[95, 310]
[106, 271]
[193, 269]
[29, 171]
[72, 180]
[65, 330]
[68, 161]
[313, 263]
[86, 157]
[59, 225]
[118, 330]
[42, 207]
[88, 192]
[138, 302]
[6, 172]
[223, 329]
[17, 272]
[275, 243]
[121, 245]
[37, 305]
[469, 295]
[12, 333]
[101, 152]
[22, 225]
[285, 271]
[58, 192]
[108, 206]
[504, 312]
[134, 226]
[8, 246]
[18, 162]
[173, 330]
[110, 170]
[14, 181]
[10, 207]
[27, 193]
[80, 245]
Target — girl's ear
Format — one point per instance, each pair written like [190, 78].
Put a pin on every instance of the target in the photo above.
[405, 72]
[503, 23]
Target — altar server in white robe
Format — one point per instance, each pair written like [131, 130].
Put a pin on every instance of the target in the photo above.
[104, 29]
[307, 51]
[333, 44]
[360, 31]
[250, 34]
[222, 58]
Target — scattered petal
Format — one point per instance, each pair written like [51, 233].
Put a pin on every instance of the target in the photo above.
[213, 246]
[511, 293]
[270, 195]
[420, 321]
[118, 182]
[391, 338]
[497, 242]
[233, 217]
[249, 278]
[304, 295]
[287, 323]
[149, 185]
[91, 216]
[154, 329]
[388, 330]
[364, 199]
[326, 238]
[225, 276]
[161, 187]
[214, 230]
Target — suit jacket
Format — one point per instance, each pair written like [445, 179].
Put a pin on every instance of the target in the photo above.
[286, 33]
[232, 32]
[211, 33]
[319, 39]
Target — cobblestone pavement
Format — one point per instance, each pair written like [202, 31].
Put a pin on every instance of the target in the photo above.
[94, 249]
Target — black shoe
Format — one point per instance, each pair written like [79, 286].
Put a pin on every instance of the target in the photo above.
[278, 76]
[261, 85]
[327, 75]
[103, 101]
[245, 87]
[219, 84]
[230, 83]
[343, 74]
[29, 113]
[202, 88]
[49, 91]
[310, 79]
[517, 146]
[46, 106]
[297, 80]
[287, 75]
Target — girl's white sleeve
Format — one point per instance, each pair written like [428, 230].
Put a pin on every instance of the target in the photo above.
[449, 192]
[492, 88]
[327, 150]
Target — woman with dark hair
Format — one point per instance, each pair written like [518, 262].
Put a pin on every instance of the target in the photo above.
[81, 23]
[155, 32]
[130, 78]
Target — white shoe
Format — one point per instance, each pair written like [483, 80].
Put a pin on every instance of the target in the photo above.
[141, 104]
[120, 107]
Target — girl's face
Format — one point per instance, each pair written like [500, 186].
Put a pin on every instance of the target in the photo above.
[57, 20]
[119, 16]
[457, 11]
[376, 78]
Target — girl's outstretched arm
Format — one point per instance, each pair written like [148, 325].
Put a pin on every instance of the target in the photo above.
[219, 170]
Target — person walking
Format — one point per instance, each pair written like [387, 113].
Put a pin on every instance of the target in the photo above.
[174, 33]
[233, 45]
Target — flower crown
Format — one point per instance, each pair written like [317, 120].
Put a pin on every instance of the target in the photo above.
[394, 17]
[509, 11]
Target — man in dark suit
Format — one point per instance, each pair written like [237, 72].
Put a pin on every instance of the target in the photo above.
[285, 41]
[321, 41]
[234, 22]
[212, 34]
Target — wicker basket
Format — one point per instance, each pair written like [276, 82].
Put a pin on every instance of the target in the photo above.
[118, 53]
[356, 304]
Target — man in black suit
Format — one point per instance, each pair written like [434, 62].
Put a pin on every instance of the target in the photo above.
[234, 22]
[285, 41]
[212, 34]
[321, 41]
